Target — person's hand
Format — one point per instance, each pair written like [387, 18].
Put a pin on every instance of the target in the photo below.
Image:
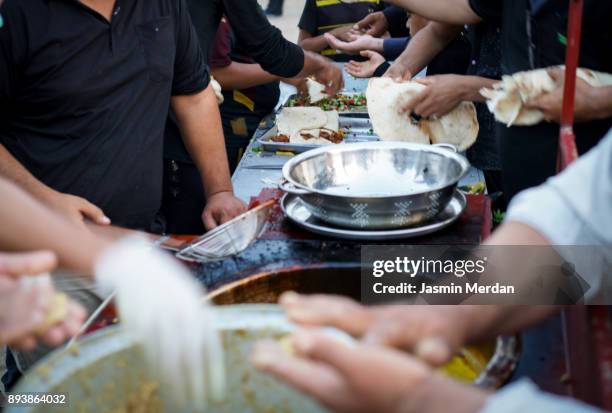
[433, 333]
[398, 72]
[443, 94]
[551, 104]
[75, 208]
[374, 24]
[220, 208]
[355, 43]
[299, 83]
[327, 73]
[367, 68]
[361, 378]
[343, 33]
[25, 304]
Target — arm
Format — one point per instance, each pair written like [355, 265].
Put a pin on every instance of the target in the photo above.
[272, 51]
[200, 123]
[591, 102]
[242, 76]
[314, 44]
[447, 11]
[75, 208]
[28, 226]
[445, 92]
[422, 48]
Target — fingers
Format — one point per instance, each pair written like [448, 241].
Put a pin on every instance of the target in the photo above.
[314, 379]
[557, 74]
[322, 310]
[358, 363]
[27, 263]
[209, 220]
[333, 41]
[93, 213]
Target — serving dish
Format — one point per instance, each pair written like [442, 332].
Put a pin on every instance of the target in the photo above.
[375, 185]
[355, 130]
[298, 212]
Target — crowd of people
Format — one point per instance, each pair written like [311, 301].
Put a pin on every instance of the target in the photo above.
[109, 123]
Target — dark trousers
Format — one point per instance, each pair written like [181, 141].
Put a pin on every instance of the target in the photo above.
[529, 153]
[183, 200]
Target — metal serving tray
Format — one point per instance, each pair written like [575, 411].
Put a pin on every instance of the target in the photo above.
[356, 130]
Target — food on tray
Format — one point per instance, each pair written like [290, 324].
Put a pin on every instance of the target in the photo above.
[507, 98]
[342, 102]
[386, 96]
[316, 91]
[308, 125]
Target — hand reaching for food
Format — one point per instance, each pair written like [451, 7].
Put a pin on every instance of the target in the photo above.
[366, 68]
[340, 376]
[355, 44]
[31, 311]
[434, 334]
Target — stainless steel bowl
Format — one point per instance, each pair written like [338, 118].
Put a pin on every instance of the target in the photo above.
[375, 185]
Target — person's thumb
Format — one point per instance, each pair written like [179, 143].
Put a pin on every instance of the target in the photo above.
[93, 213]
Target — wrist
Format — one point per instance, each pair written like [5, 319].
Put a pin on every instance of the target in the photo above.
[436, 393]
[597, 99]
[377, 44]
[227, 191]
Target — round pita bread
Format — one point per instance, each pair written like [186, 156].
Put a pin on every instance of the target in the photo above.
[459, 127]
[385, 97]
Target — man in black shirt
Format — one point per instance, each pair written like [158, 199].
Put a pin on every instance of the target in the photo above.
[84, 95]
[533, 36]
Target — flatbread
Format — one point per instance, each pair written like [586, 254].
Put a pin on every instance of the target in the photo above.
[459, 127]
[385, 97]
[316, 91]
[506, 100]
[292, 120]
[332, 124]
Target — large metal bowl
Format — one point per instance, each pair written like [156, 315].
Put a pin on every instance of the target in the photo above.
[107, 375]
[375, 185]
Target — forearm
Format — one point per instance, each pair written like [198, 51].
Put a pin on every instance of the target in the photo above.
[14, 171]
[28, 226]
[447, 11]
[265, 43]
[470, 87]
[601, 102]
[242, 76]
[313, 44]
[426, 45]
[200, 123]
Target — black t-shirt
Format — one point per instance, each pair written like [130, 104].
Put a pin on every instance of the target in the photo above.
[264, 43]
[83, 102]
[319, 17]
[534, 39]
